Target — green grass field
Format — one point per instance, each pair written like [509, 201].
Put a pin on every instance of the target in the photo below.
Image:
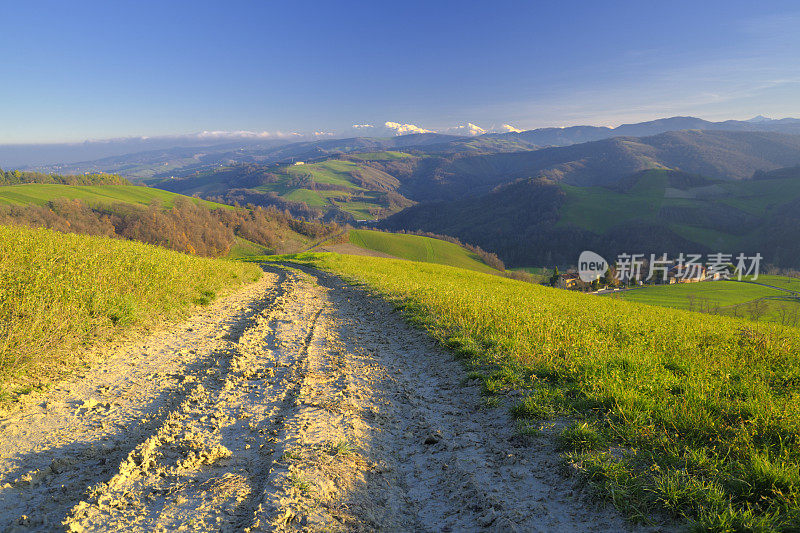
[680, 295]
[380, 156]
[758, 196]
[41, 193]
[782, 282]
[60, 293]
[668, 411]
[753, 301]
[332, 172]
[311, 198]
[418, 248]
[360, 201]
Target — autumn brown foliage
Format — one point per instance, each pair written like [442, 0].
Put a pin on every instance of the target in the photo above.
[185, 227]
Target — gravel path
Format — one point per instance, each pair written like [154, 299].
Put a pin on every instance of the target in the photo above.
[299, 403]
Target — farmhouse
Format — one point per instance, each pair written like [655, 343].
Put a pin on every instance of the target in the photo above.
[571, 280]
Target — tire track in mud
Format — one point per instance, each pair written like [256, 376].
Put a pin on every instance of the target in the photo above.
[317, 408]
[204, 465]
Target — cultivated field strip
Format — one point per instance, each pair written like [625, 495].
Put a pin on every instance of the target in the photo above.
[307, 405]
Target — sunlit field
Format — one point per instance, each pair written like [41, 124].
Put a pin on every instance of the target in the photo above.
[60, 292]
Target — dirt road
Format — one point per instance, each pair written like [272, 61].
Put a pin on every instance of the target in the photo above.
[299, 403]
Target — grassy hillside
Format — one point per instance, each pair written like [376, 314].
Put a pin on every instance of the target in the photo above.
[356, 189]
[242, 249]
[60, 293]
[41, 193]
[418, 248]
[590, 207]
[670, 411]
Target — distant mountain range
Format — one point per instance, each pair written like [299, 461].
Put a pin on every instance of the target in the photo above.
[59, 155]
[184, 161]
[581, 134]
[180, 155]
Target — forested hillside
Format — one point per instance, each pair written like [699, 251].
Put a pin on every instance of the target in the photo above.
[185, 226]
[540, 221]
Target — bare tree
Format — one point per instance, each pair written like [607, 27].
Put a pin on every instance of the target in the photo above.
[756, 309]
[788, 315]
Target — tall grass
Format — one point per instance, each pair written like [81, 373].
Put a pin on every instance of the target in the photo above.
[673, 411]
[60, 292]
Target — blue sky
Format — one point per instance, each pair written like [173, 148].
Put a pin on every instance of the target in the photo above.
[93, 70]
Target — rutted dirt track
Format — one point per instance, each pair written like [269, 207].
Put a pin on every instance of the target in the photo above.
[299, 403]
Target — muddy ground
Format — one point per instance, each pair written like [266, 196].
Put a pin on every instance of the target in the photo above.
[298, 403]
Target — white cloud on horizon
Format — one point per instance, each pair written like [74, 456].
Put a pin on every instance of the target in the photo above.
[508, 128]
[467, 129]
[360, 126]
[402, 129]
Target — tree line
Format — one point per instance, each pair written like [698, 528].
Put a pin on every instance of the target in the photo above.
[18, 177]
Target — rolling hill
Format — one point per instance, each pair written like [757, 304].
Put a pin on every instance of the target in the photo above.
[687, 190]
[96, 195]
[191, 158]
[364, 185]
[419, 248]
